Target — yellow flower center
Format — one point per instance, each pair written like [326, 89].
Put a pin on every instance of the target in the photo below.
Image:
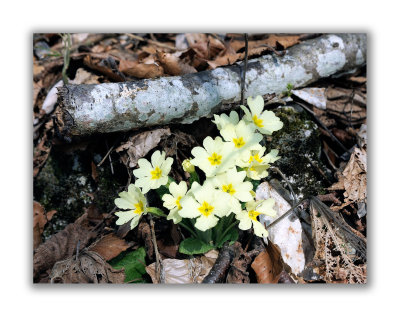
[253, 215]
[239, 142]
[258, 122]
[156, 174]
[255, 158]
[228, 189]
[178, 202]
[206, 209]
[138, 208]
[215, 159]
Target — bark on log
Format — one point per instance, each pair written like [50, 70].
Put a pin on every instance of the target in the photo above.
[124, 106]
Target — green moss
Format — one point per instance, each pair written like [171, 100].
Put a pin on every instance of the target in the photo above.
[299, 146]
[66, 185]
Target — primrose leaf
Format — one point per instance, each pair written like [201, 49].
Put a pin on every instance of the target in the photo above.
[133, 263]
[194, 246]
[232, 235]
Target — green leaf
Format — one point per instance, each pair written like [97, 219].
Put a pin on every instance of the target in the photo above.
[133, 263]
[232, 235]
[194, 246]
[156, 211]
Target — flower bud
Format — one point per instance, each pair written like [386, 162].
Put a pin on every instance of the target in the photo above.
[187, 166]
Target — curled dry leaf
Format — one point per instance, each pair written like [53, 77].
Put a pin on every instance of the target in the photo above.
[335, 249]
[140, 70]
[173, 65]
[140, 144]
[353, 179]
[238, 272]
[84, 77]
[88, 267]
[268, 265]
[61, 245]
[40, 218]
[109, 246]
[191, 271]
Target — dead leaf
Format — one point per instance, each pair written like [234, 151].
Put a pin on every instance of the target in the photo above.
[238, 272]
[62, 245]
[109, 246]
[40, 218]
[353, 179]
[173, 65]
[140, 144]
[314, 96]
[84, 77]
[107, 66]
[268, 265]
[140, 70]
[335, 244]
[190, 271]
[88, 267]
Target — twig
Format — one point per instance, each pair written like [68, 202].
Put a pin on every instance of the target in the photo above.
[66, 55]
[243, 71]
[287, 182]
[158, 260]
[284, 215]
[323, 126]
[104, 158]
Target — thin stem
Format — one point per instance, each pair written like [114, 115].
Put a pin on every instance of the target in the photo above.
[227, 230]
[188, 229]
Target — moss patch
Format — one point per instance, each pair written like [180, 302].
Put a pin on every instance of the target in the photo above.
[298, 143]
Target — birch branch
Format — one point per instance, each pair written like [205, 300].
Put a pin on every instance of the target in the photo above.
[124, 106]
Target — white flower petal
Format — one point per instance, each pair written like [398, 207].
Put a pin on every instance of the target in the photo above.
[189, 207]
[259, 229]
[204, 223]
[256, 105]
[124, 216]
[135, 221]
[169, 201]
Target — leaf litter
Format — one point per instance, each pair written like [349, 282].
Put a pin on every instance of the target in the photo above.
[79, 252]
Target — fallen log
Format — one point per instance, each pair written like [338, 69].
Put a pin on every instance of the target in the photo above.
[124, 106]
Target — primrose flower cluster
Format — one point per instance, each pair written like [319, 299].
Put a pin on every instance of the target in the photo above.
[228, 161]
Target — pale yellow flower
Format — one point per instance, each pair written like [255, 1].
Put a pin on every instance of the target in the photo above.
[216, 156]
[222, 120]
[265, 121]
[155, 174]
[256, 164]
[243, 137]
[248, 218]
[173, 201]
[133, 200]
[206, 204]
[232, 182]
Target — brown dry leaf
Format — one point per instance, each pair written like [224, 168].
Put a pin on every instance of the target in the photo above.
[334, 258]
[190, 271]
[140, 144]
[88, 267]
[84, 77]
[353, 179]
[37, 87]
[238, 272]
[40, 218]
[107, 66]
[140, 70]
[173, 65]
[109, 246]
[62, 245]
[268, 265]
